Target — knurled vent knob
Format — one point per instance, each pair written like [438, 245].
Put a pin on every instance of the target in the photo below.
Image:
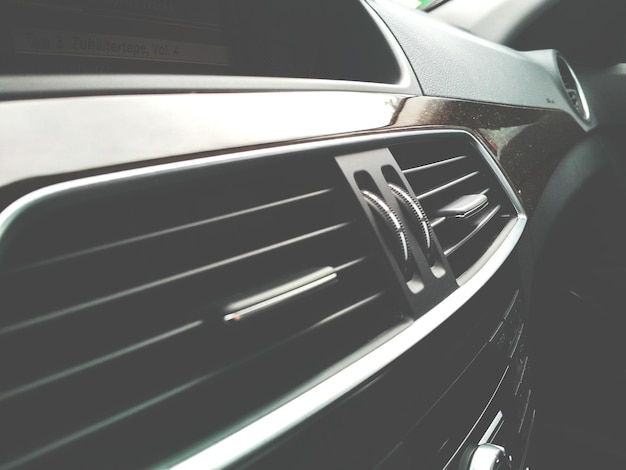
[393, 231]
[417, 217]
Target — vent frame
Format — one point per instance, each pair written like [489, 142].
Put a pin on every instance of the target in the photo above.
[375, 303]
[356, 370]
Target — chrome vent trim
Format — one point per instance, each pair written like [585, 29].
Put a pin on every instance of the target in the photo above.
[149, 295]
[242, 443]
[245, 442]
[573, 88]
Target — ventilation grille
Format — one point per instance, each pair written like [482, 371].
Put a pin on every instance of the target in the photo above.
[445, 175]
[113, 299]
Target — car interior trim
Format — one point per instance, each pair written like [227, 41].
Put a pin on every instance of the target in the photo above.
[246, 441]
[16, 87]
[284, 234]
[408, 79]
[13, 210]
[72, 144]
[251, 438]
[100, 131]
[291, 291]
[28, 86]
[492, 429]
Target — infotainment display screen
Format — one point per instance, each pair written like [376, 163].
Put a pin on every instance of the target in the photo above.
[114, 36]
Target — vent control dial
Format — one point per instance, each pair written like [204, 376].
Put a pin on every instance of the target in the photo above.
[417, 217]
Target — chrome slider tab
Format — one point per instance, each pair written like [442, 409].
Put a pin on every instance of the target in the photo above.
[258, 302]
[486, 457]
[493, 429]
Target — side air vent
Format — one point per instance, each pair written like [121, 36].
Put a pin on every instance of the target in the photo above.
[461, 195]
[134, 308]
[573, 88]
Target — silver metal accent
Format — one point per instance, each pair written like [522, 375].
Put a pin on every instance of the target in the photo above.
[392, 217]
[493, 429]
[417, 210]
[488, 457]
[264, 301]
[407, 75]
[245, 441]
[484, 221]
[465, 206]
[261, 432]
[465, 442]
[528, 440]
[446, 186]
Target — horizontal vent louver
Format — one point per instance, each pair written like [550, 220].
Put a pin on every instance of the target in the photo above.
[461, 195]
[112, 332]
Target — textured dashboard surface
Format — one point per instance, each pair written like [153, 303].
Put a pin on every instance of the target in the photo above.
[451, 63]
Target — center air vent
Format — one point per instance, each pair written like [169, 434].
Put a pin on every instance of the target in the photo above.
[135, 306]
[461, 195]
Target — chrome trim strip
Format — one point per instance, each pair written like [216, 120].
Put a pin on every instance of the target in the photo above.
[446, 186]
[527, 444]
[407, 79]
[428, 166]
[461, 447]
[257, 308]
[493, 428]
[477, 228]
[244, 442]
[103, 359]
[20, 86]
[101, 132]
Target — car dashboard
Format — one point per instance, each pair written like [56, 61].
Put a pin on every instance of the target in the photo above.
[278, 234]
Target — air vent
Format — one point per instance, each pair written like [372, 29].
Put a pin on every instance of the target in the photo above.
[572, 88]
[134, 309]
[463, 199]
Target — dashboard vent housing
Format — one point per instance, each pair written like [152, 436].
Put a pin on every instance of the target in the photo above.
[126, 307]
[573, 89]
[465, 202]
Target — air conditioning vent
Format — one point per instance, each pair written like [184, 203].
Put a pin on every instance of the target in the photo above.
[461, 195]
[133, 309]
[573, 88]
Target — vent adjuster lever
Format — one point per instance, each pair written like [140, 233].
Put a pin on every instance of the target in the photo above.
[260, 301]
[464, 207]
